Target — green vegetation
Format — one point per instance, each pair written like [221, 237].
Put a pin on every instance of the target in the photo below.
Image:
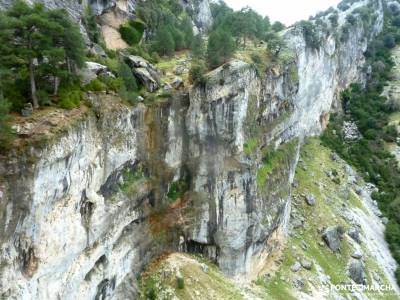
[89, 21]
[310, 34]
[305, 241]
[36, 44]
[6, 133]
[168, 26]
[132, 32]
[370, 111]
[273, 159]
[221, 47]
[129, 178]
[178, 189]
[250, 146]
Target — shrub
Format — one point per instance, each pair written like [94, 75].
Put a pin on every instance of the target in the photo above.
[180, 282]
[197, 71]
[129, 34]
[95, 86]
[310, 34]
[389, 41]
[43, 98]
[69, 97]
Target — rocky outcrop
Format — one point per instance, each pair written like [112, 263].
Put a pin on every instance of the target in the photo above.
[144, 71]
[86, 209]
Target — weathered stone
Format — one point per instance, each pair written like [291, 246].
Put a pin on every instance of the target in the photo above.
[146, 78]
[354, 233]
[296, 267]
[310, 199]
[332, 237]
[357, 254]
[357, 271]
[27, 111]
[92, 70]
[306, 264]
[299, 283]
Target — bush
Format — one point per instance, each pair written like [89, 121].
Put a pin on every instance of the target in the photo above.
[95, 86]
[310, 34]
[43, 98]
[389, 41]
[197, 71]
[69, 97]
[129, 34]
[180, 282]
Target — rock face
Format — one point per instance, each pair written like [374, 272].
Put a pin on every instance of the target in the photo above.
[86, 210]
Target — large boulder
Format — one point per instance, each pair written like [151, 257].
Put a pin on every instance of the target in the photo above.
[357, 271]
[144, 71]
[332, 237]
[92, 70]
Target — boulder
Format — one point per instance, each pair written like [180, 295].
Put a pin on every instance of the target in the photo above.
[332, 237]
[357, 254]
[27, 110]
[97, 50]
[310, 199]
[92, 70]
[299, 283]
[357, 271]
[354, 233]
[295, 267]
[306, 264]
[144, 71]
[146, 78]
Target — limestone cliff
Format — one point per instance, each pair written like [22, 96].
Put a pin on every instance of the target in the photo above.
[83, 211]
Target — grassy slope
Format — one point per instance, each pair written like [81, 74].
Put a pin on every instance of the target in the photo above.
[311, 178]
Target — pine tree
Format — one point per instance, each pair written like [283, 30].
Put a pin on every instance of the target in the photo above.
[221, 47]
[41, 41]
[198, 47]
[164, 42]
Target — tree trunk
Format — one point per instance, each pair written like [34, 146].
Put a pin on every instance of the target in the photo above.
[33, 85]
[56, 85]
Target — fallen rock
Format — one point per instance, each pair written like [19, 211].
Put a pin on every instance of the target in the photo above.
[92, 70]
[357, 254]
[357, 271]
[385, 220]
[332, 237]
[354, 233]
[310, 199]
[296, 267]
[145, 77]
[144, 71]
[306, 264]
[97, 50]
[27, 111]
[299, 283]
